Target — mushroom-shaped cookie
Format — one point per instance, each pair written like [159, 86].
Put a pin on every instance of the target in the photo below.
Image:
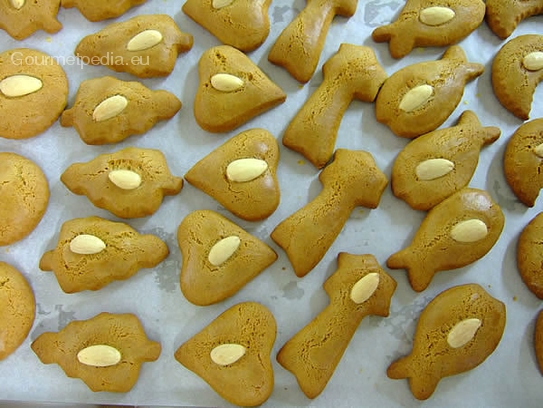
[516, 72]
[427, 23]
[17, 309]
[22, 18]
[523, 162]
[538, 341]
[243, 24]
[455, 233]
[232, 90]
[434, 166]
[29, 81]
[99, 10]
[241, 175]
[420, 97]
[108, 110]
[219, 257]
[358, 288]
[232, 354]
[145, 46]
[93, 252]
[129, 183]
[106, 352]
[503, 16]
[455, 333]
[530, 255]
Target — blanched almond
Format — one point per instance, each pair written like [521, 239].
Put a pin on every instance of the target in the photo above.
[86, 244]
[433, 168]
[226, 82]
[364, 288]
[434, 16]
[20, 85]
[533, 61]
[416, 97]
[243, 170]
[469, 231]
[227, 354]
[219, 4]
[17, 4]
[125, 179]
[109, 108]
[144, 40]
[99, 355]
[223, 250]
[463, 332]
[539, 150]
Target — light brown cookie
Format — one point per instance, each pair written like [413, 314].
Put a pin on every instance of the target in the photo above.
[523, 162]
[429, 23]
[420, 97]
[455, 333]
[129, 183]
[145, 46]
[108, 110]
[243, 24]
[232, 354]
[299, 46]
[29, 81]
[530, 255]
[352, 179]
[22, 18]
[93, 252]
[241, 175]
[17, 309]
[434, 166]
[352, 73]
[24, 196]
[455, 233]
[219, 257]
[358, 288]
[516, 71]
[101, 9]
[503, 16]
[105, 352]
[232, 90]
[538, 341]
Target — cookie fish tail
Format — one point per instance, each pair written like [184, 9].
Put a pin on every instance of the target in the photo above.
[488, 134]
[419, 271]
[421, 381]
[455, 53]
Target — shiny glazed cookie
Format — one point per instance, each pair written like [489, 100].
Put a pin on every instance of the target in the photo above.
[530, 255]
[455, 233]
[105, 352]
[516, 72]
[455, 333]
[243, 24]
[427, 23]
[358, 288]
[420, 97]
[93, 252]
[17, 309]
[108, 110]
[219, 257]
[503, 16]
[22, 18]
[101, 9]
[130, 183]
[30, 80]
[24, 196]
[232, 354]
[145, 46]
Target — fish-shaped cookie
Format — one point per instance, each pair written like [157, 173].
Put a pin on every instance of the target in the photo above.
[455, 333]
[503, 16]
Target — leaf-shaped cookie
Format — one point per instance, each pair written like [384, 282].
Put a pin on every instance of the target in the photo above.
[108, 110]
[99, 10]
[503, 16]
[232, 90]
[22, 18]
[93, 252]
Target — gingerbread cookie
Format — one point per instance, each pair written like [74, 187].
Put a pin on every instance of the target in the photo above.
[530, 255]
[102, 9]
[30, 80]
[22, 18]
[298, 48]
[455, 333]
[241, 175]
[24, 196]
[523, 162]
[434, 166]
[352, 73]
[358, 288]
[427, 23]
[232, 90]
[420, 97]
[455, 233]
[232, 354]
[538, 341]
[105, 352]
[145, 46]
[352, 179]
[93, 252]
[503, 16]
[108, 110]
[220, 260]
[243, 24]
[130, 183]
[17, 309]
[516, 72]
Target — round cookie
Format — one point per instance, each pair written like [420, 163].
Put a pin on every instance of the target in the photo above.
[17, 309]
[24, 195]
[530, 256]
[33, 92]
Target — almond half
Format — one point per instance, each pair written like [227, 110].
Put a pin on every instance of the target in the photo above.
[86, 244]
[226, 82]
[433, 168]
[99, 355]
[219, 4]
[463, 332]
[365, 287]
[434, 16]
[244, 170]
[109, 108]
[125, 179]
[144, 40]
[227, 354]
[533, 61]
[469, 231]
[538, 150]
[20, 85]
[223, 250]
[17, 4]
[416, 97]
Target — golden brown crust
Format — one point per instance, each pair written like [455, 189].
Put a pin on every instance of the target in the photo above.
[34, 15]
[503, 16]
[530, 255]
[101, 9]
[538, 341]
